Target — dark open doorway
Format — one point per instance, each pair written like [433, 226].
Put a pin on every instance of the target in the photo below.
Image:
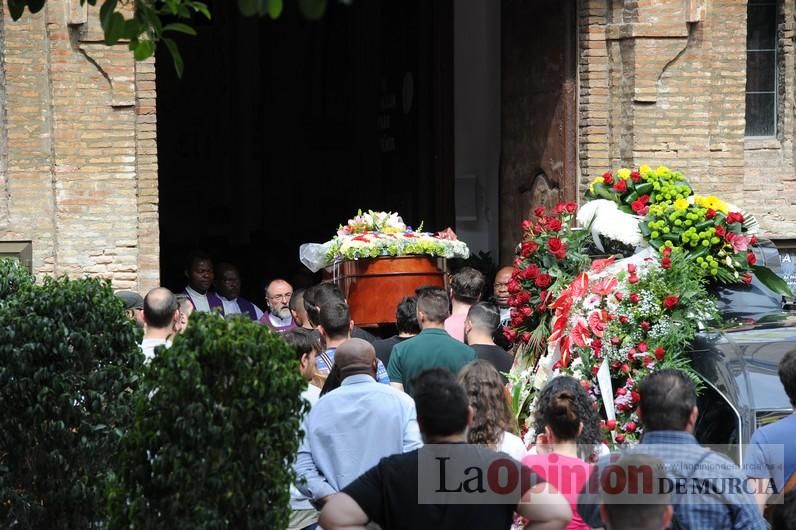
[280, 130]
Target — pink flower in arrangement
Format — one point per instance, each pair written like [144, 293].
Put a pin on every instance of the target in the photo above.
[580, 332]
[597, 322]
[631, 268]
[740, 243]
[605, 286]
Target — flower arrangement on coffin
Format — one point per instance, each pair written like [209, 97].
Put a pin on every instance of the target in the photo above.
[612, 324]
[373, 234]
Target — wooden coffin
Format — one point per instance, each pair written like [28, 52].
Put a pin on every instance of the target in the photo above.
[374, 287]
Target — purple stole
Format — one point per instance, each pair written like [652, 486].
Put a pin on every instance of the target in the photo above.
[247, 308]
[265, 319]
[215, 303]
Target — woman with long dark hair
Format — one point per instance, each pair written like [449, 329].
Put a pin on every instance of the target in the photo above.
[562, 414]
[493, 425]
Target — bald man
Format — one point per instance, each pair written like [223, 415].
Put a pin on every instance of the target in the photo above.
[277, 299]
[501, 299]
[353, 427]
[161, 313]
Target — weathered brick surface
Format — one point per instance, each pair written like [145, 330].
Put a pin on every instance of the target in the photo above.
[79, 161]
[663, 82]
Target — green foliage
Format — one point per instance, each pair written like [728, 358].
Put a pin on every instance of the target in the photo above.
[13, 277]
[215, 430]
[69, 365]
[147, 28]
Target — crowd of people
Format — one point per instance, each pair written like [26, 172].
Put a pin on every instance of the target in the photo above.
[394, 419]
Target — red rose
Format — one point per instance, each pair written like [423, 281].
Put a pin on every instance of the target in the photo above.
[639, 208]
[659, 353]
[631, 268]
[543, 280]
[630, 426]
[642, 346]
[621, 391]
[528, 248]
[645, 325]
[670, 302]
[620, 438]
[553, 224]
[623, 319]
[632, 279]
[667, 252]
[635, 176]
[560, 208]
[747, 278]
[530, 272]
[608, 178]
[537, 230]
[616, 341]
[571, 207]
[635, 396]
[526, 311]
[751, 259]
[720, 231]
[595, 369]
[596, 344]
[634, 298]
[543, 296]
[753, 240]
[526, 225]
[644, 199]
[618, 295]
[610, 425]
[516, 321]
[525, 337]
[710, 214]
[538, 211]
[541, 307]
[734, 217]
[666, 263]
[510, 335]
[586, 385]
[513, 287]
[554, 244]
[620, 186]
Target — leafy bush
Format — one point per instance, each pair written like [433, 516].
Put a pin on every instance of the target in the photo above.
[68, 369]
[215, 429]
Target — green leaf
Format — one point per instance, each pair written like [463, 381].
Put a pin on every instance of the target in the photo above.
[175, 56]
[771, 280]
[275, 8]
[16, 8]
[312, 9]
[179, 27]
[115, 29]
[249, 8]
[201, 7]
[144, 50]
[106, 11]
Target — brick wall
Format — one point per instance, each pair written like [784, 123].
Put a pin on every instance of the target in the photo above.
[79, 167]
[663, 82]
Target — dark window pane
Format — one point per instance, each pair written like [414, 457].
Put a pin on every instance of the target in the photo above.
[761, 27]
[761, 75]
[760, 114]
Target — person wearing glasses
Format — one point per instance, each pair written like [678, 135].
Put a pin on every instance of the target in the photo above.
[277, 299]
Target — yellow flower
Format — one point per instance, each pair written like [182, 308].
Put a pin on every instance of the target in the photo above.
[681, 204]
[623, 173]
[598, 180]
[712, 202]
[661, 171]
[643, 169]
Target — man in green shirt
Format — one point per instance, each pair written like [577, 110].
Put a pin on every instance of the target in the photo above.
[433, 347]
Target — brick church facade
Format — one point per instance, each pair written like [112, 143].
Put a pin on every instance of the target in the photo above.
[631, 82]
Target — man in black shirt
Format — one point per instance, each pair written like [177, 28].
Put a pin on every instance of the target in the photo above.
[416, 490]
[406, 324]
[482, 321]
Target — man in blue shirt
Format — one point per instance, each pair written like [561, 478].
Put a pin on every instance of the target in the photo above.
[335, 327]
[708, 490]
[772, 450]
[351, 428]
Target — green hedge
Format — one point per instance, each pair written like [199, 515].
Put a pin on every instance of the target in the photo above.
[69, 366]
[215, 428]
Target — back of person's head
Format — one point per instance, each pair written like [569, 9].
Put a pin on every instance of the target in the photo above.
[787, 374]
[487, 396]
[561, 414]
[784, 515]
[297, 300]
[668, 397]
[590, 436]
[467, 285]
[442, 407]
[160, 305]
[335, 319]
[406, 316]
[303, 341]
[484, 317]
[643, 501]
[319, 295]
[433, 303]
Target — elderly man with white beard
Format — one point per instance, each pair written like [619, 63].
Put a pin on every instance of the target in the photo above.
[277, 299]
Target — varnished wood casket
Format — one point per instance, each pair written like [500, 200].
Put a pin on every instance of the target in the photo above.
[374, 287]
